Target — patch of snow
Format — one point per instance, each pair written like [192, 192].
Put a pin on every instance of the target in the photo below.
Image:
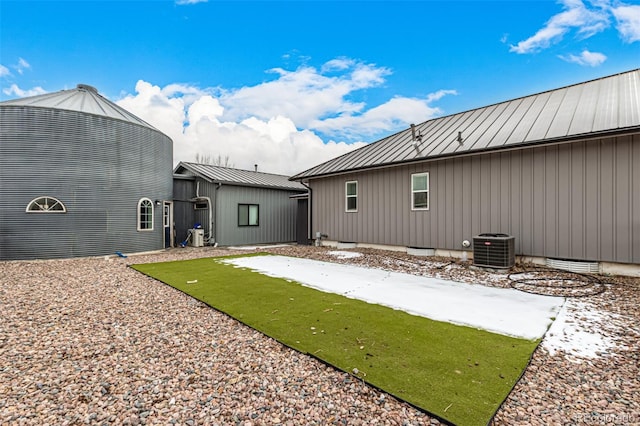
[258, 247]
[576, 331]
[505, 311]
[344, 254]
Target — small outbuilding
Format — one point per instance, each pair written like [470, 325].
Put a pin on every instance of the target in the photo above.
[81, 176]
[559, 171]
[233, 206]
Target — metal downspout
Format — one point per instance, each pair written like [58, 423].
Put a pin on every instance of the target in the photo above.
[215, 212]
[309, 216]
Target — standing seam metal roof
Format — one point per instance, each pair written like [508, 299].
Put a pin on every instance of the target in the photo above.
[239, 177]
[606, 105]
[83, 98]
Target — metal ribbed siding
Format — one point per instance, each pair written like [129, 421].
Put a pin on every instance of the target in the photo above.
[571, 201]
[99, 167]
[183, 211]
[277, 216]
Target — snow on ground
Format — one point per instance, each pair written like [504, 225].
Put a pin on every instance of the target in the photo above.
[577, 331]
[505, 311]
[344, 254]
[249, 248]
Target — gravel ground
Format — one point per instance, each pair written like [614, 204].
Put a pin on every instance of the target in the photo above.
[91, 341]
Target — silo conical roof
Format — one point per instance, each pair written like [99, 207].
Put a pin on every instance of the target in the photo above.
[83, 98]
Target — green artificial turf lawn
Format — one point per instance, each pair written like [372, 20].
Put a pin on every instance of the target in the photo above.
[458, 373]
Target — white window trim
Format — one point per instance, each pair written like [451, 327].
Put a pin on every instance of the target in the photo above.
[48, 210]
[346, 197]
[138, 215]
[427, 191]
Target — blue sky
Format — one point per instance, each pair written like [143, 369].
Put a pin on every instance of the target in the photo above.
[290, 84]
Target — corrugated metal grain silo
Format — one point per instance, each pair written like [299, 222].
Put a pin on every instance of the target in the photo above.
[80, 176]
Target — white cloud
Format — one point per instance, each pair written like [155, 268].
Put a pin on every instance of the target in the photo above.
[22, 65]
[397, 112]
[587, 22]
[161, 108]
[276, 124]
[586, 58]
[275, 144]
[628, 18]
[183, 2]
[436, 96]
[305, 94]
[4, 71]
[338, 64]
[14, 90]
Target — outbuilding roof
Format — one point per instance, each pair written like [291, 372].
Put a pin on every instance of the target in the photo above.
[83, 98]
[227, 175]
[605, 106]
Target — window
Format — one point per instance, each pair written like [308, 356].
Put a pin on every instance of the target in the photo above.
[46, 205]
[248, 214]
[351, 191]
[145, 215]
[420, 191]
[201, 205]
[166, 216]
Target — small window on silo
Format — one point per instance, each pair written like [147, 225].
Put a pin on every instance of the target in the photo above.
[46, 205]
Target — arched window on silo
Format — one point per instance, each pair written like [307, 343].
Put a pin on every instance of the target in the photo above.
[145, 215]
[46, 205]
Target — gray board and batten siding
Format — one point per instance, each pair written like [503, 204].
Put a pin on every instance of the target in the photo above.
[575, 198]
[571, 201]
[277, 216]
[99, 164]
[227, 188]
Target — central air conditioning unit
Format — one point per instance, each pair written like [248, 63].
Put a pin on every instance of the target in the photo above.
[494, 250]
[197, 237]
